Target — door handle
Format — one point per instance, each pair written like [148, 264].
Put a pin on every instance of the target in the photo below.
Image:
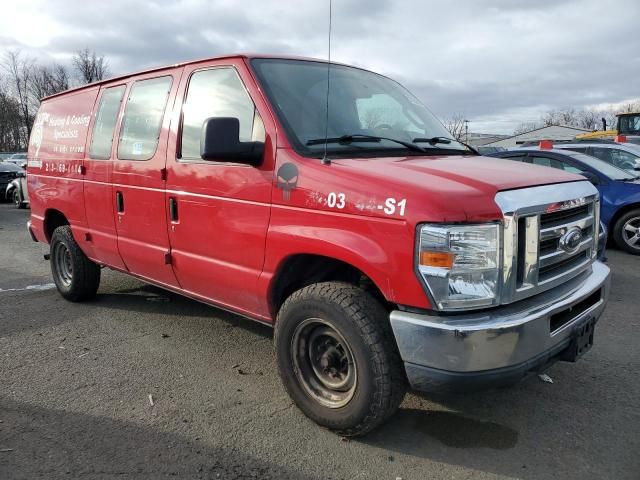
[119, 202]
[173, 209]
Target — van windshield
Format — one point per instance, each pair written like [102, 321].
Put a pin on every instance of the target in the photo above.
[360, 103]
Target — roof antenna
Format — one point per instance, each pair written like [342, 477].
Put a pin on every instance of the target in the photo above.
[325, 159]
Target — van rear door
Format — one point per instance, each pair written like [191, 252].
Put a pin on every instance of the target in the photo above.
[139, 177]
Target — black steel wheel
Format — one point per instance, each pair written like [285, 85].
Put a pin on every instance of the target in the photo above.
[324, 363]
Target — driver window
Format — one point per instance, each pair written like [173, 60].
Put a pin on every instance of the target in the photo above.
[217, 92]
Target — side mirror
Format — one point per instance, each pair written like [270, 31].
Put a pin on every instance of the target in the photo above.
[24, 165]
[592, 177]
[220, 141]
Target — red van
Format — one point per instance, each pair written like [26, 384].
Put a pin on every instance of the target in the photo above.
[327, 201]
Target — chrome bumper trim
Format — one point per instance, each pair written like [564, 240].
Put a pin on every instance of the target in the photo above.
[501, 337]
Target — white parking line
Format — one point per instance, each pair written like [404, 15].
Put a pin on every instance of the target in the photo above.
[45, 286]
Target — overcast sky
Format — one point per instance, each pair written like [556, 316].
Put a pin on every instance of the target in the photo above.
[497, 62]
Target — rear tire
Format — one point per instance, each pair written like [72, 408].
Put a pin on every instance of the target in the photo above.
[76, 277]
[626, 232]
[337, 357]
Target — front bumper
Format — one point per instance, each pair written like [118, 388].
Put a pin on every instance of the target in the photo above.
[499, 346]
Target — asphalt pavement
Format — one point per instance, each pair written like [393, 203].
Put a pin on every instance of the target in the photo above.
[142, 383]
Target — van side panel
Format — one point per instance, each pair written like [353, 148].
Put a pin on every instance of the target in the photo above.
[55, 158]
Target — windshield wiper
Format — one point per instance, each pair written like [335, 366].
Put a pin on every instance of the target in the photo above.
[433, 140]
[445, 140]
[358, 137]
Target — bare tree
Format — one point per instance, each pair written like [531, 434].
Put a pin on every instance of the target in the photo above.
[19, 70]
[566, 116]
[373, 117]
[89, 66]
[589, 119]
[11, 125]
[455, 126]
[48, 80]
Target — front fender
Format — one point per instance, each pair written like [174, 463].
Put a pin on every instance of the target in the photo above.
[10, 186]
[382, 249]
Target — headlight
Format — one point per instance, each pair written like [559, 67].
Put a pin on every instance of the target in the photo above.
[460, 264]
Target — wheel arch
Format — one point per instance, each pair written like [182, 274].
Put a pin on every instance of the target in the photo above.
[53, 219]
[620, 212]
[303, 269]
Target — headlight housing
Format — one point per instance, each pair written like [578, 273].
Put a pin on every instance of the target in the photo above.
[461, 264]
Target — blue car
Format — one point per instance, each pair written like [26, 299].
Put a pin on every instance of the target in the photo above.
[619, 189]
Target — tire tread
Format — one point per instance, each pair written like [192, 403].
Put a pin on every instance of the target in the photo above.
[372, 321]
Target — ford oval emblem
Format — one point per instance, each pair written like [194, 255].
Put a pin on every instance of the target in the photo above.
[570, 241]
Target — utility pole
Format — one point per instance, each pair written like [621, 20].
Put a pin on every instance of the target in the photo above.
[466, 131]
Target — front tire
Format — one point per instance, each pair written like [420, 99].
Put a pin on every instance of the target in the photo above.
[76, 277]
[626, 232]
[16, 198]
[337, 357]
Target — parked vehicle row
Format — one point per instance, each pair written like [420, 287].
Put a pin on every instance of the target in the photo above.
[619, 189]
[8, 173]
[16, 158]
[13, 184]
[622, 155]
[385, 254]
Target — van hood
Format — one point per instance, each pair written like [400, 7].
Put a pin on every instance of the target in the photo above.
[436, 189]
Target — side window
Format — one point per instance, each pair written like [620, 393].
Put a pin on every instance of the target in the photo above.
[544, 161]
[517, 158]
[142, 119]
[622, 159]
[105, 124]
[217, 92]
[602, 153]
[554, 163]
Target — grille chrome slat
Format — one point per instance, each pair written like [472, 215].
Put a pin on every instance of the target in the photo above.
[558, 231]
[559, 255]
[577, 265]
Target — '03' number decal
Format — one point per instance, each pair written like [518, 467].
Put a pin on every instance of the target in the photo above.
[336, 200]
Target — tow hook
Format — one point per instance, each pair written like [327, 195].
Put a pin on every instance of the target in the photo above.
[47, 256]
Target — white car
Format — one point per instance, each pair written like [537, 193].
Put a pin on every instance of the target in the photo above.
[17, 159]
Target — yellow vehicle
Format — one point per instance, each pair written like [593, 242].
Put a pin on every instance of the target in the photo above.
[628, 125]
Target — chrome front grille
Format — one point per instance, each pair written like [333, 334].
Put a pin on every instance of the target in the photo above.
[555, 260]
[546, 244]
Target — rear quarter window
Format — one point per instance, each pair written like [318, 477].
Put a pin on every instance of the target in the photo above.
[105, 124]
[142, 119]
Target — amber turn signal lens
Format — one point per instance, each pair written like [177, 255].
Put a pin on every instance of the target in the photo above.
[437, 259]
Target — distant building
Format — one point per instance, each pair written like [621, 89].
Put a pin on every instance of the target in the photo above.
[479, 139]
[553, 132]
